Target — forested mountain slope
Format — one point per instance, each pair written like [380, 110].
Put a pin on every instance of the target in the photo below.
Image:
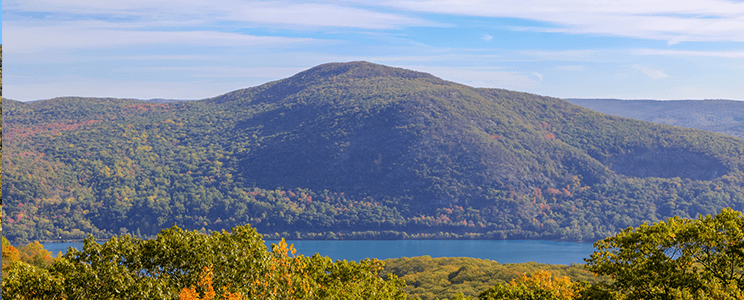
[722, 116]
[355, 150]
[1, 127]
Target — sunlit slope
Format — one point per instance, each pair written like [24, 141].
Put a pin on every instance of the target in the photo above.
[358, 150]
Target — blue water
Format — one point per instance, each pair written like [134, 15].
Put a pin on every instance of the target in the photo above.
[501, 251]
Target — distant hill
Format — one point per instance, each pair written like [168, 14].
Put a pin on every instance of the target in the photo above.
[355, 150]
[723, 116]
[159, 100]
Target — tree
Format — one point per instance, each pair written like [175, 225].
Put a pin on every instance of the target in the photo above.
[24, 281]
[10, 253]
[676, 258]
[35, 254]
[542, 285]
[192, 265]
[205, 283]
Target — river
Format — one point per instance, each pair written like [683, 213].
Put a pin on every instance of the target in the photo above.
[519, 251]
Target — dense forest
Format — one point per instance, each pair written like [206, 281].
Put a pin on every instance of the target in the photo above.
[671, 259]
[354, 151]
[1, 136]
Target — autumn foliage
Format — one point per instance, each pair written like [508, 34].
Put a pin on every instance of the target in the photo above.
[32, 253]
[541, 285]
[190, 265]
[205, 284]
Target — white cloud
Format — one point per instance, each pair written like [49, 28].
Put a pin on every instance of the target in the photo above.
[477, 77]
[487, 37]
[23, 37]
[571, 68]
[264, 12]
[72, 24]
[264, 73]
[315, 14]
[163, 57]
[670, 20]
[72, 85]
[652, 73]
[721, 54]
[567, 55]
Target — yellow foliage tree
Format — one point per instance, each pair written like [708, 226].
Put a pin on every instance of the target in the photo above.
[205, 284]
[542, 285]
[35, 254]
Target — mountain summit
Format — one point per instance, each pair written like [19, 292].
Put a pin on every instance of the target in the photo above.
[356, 76]
[365, 151]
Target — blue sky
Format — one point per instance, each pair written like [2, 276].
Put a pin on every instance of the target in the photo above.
[191, 49]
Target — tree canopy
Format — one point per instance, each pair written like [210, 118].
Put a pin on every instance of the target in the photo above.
[676, 258]
[191, 265]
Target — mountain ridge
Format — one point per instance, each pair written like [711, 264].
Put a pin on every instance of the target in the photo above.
[361, 150]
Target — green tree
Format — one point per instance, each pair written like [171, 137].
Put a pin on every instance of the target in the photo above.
[24, 281]
[177, 262]
[676, 258]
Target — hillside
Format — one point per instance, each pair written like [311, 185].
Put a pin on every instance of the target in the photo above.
[722, 116]
[1, 132]
[444, 277]
[355, 150]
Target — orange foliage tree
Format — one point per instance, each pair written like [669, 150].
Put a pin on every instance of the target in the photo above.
[541, 285]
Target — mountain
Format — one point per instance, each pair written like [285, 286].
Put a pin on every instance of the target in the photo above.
[1, 128]
[355, 150]
[722, 116]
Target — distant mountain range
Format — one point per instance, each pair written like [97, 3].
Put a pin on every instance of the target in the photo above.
[355, 150]
[723, 116]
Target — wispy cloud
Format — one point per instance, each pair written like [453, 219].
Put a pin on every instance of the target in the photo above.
[35, 25]
[571, 68]
[721, 54]
[669, 20]
[110, 44]
[578, 55]
[478, 77]
[652, 73]
[24, 37]
[319, 15]
[265, 73]
[291, 13]
[163, 57]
